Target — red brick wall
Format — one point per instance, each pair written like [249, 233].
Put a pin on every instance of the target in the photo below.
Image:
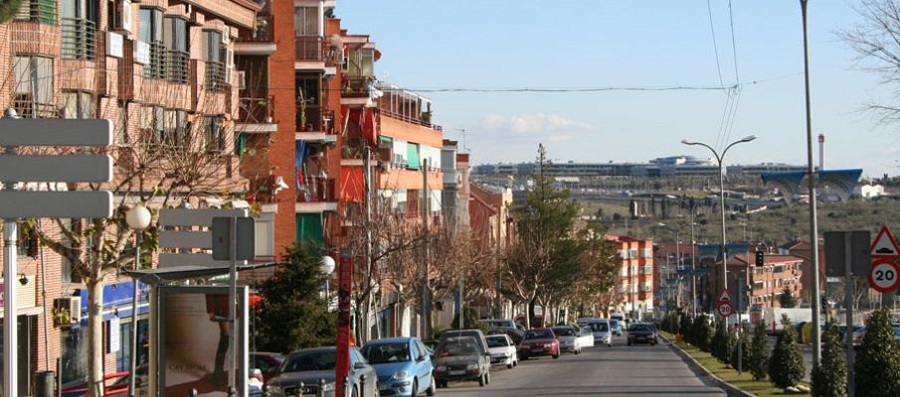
[281, 149]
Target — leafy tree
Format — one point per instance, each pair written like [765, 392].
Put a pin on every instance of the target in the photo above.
[292, 314]
[787, 299]
[744, 342]
[545, 223]
[786, 366]
[758, 357]
[9, 9]
[829, 378]
[877, 367]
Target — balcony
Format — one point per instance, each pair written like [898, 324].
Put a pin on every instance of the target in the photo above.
[256, 115]
[79, 39]
[259, 41]
[315, 124]
[215, 76]
[309, 49]
[177, 66]
[38, 11]
[316, 196]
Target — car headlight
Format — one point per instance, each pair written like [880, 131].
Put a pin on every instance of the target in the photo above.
[472, 366]
[441, 368]
[401, 375]
[548, 345]
[273, 389]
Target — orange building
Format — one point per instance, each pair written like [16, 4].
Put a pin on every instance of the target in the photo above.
[633, 292]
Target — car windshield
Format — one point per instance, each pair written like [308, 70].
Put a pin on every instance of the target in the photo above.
[386, 352]
[564, 331]
[316, 360]
[641, 327]
[600, 327]
[538, 334]
[458, 348]
[497, 342]
[614, 323]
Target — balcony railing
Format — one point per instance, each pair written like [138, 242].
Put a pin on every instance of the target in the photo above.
[177, 67]
[263, 32]
[156, 69]
[317, 190]
[314, 119]
[43, 11]
[79, 38]
[256, 110]
[215, 75]
[423, 121]
[309, 48]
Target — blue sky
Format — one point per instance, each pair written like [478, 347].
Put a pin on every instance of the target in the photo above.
[621, 45]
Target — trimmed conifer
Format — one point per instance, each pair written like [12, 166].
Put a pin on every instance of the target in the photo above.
[829, 379]
[877, 368]
[786, 367]
[758, 362]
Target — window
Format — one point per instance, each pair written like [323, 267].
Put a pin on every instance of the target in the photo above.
[151, 32]
[118, 15]
[152, 124]
[217, 56]
[306, 21]
[78, 105]
[34, 87]
[175, 38]
[79, 29]
[43, 11]
[215, 133]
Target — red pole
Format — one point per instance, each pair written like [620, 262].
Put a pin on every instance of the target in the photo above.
[345, 284]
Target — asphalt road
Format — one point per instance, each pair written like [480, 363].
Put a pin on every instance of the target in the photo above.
[601, 371]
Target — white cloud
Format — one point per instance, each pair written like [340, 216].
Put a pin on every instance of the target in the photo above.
[540, 123]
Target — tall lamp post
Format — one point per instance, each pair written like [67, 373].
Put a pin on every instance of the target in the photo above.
[720, 158]
[138, 218]
[327, 267]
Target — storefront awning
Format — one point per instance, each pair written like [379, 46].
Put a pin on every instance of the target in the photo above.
[179, 273]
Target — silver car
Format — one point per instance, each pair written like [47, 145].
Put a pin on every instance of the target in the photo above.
[302, 370]
[602, 331]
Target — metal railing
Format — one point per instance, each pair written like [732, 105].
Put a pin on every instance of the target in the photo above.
[317, 190]
[43, 11]
[215, 75]
[177, 67]
[257, 110]
[79, 38]
[424, 122]
[309, 48]
[314, 119]
[27, 108]
[156, 69]
[263, 32]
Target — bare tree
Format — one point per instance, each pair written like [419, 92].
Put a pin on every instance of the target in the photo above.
[876, 40]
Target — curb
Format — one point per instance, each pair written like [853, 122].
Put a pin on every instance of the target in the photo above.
[701, 371]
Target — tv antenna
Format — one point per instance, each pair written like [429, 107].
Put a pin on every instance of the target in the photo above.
[464, 147]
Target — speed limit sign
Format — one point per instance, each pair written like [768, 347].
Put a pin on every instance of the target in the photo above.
[884, 276]
[725, 309]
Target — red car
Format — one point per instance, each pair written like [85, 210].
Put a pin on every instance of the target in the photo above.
[539, 342]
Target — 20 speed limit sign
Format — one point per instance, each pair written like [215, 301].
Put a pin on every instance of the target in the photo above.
[725, 309]
[884, 276]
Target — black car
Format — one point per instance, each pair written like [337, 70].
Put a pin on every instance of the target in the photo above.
[642, 333]
[461, 358]
[514, 333]
[304, 368]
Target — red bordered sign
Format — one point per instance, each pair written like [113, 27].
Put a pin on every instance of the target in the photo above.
[884, 276]
[725, 309]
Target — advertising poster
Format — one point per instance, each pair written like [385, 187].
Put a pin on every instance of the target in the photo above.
[194, 338]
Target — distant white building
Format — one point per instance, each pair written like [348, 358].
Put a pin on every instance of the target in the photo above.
[871, 191]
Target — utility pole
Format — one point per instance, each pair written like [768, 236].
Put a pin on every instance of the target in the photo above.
[426, 288]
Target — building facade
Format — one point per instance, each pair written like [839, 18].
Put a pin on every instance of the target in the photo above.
[634, 288]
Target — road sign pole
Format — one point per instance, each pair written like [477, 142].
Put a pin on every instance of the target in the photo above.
[848, 305]
[740, 297]
[10, 302]
[232, 307]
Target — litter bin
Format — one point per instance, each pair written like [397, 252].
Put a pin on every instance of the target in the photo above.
[44, 384]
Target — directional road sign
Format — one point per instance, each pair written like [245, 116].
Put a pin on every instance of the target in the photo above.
[725, 309]
[885, 276]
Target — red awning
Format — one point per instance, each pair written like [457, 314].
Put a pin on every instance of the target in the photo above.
[352, 186]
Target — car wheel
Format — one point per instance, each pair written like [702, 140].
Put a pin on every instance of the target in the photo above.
[524, 358]
[609, 345]
[441, 384]
[510, 365]
[481, 381]
[629, 343]
[556, 356]
[430, 390]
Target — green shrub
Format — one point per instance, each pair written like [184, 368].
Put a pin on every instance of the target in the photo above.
[877, 368]
[829, 378]
[786, 366]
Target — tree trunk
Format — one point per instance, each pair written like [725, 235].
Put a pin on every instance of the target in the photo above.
[95, 337]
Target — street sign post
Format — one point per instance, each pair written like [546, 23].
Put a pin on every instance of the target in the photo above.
[15, 204]
[885, 276]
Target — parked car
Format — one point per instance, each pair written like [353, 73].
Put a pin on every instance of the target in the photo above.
[503, 350]
[568, 338]
[514, 333]
[616, 327]
[267, 362]
[539, 342]
[403, 365]
[601, 330]
[307, 366]
[498, 323]
[460, 358]
[642, 333]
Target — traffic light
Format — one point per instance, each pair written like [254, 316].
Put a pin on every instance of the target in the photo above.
[760, 258]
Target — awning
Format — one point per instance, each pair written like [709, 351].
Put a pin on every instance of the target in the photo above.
[352, 184]
[178, 273]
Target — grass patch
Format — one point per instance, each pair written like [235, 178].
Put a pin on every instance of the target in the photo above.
[744, 381]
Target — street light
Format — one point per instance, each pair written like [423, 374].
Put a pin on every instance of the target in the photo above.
[719, 158]
[327, 267]
[138, 218]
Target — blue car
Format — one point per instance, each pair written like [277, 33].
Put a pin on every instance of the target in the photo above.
[403, 365]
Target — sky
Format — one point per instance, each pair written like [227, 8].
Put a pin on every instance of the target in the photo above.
[631, 79]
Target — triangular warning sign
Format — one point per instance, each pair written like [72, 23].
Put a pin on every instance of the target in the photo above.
[885, 246]
[724, 297]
